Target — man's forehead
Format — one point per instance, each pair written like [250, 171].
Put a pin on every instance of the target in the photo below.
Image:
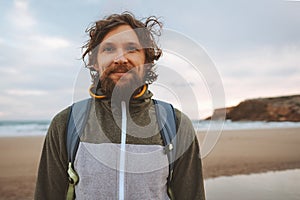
[122, 33]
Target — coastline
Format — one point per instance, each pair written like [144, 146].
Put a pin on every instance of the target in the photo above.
[236, 152]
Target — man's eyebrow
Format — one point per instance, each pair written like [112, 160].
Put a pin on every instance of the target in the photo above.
[106, 43]
[134, 43]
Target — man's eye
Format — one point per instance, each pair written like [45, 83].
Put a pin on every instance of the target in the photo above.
[132, 48]
[108, 49]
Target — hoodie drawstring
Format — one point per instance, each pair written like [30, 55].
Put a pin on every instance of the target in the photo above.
[122, 153]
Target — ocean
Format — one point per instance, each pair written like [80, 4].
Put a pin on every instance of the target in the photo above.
[39, 127]
[202, 125]
[24, 128]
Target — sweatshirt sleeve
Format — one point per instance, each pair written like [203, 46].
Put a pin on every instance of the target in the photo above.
[187, 182]
[52, 180]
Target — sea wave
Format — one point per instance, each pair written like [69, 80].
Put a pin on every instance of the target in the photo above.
[203, 125]
[23, 128]
[40, 127]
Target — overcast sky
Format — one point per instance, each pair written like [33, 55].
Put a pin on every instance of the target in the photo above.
[255, 46]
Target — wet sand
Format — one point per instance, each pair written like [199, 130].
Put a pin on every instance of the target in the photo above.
[237, 152]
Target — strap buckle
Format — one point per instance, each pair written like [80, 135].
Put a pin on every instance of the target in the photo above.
[168, 148]
[73, 176]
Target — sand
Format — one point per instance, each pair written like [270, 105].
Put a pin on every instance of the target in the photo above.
[237, 152]
[18, 168]
[253, 151]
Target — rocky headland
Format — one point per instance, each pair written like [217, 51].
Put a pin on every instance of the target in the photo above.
[277, 109]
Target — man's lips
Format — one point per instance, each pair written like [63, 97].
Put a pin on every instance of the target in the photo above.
[118, 73]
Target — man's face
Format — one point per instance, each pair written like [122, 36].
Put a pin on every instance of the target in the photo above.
[120, 59]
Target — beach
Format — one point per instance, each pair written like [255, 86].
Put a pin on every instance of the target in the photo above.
[253, 151]
[18, 168]
[236, 152]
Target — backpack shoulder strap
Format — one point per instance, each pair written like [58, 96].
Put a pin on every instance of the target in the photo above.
[166, 119]
[75, 126]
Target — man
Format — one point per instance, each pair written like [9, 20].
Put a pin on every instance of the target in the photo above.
[121, 53]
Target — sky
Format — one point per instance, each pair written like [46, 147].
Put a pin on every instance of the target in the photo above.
[254, 47]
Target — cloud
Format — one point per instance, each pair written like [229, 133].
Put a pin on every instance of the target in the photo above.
[27, 48]
[28, 33]
[48, 42]
[260, 72]
[21, 16]
[261, 61]
[27, 92]
[35, 66]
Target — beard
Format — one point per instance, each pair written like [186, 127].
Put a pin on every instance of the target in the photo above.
[125, 87]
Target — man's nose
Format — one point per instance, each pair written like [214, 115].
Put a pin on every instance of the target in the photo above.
[121, 58]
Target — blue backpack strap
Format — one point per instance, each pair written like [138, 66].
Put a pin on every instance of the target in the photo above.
[76, 123]
[166, 119]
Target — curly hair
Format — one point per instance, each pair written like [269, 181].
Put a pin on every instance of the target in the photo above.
[145, 32]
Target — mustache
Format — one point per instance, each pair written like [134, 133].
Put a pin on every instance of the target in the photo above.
[117, 69]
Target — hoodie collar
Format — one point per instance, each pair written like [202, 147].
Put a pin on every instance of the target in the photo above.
[97, 94]
[141, 101]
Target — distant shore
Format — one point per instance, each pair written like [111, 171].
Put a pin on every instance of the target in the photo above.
[237, 152]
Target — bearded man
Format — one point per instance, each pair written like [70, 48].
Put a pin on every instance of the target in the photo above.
[121, 55]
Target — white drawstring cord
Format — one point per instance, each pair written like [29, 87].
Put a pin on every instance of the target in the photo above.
[122, 153]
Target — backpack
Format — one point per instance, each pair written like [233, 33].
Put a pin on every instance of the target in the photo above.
[76, 125]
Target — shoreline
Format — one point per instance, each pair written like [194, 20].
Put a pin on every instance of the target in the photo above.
[236, 152]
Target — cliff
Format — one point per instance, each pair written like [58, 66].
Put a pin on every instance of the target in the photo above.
[285, 108]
